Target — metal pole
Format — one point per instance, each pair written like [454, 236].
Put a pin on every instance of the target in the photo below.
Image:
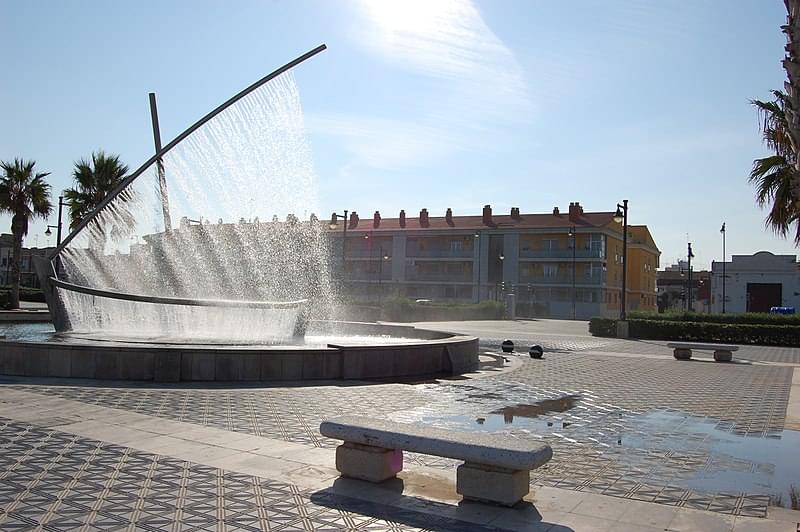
[162, 180]
[623, 310]
[478, 240]
[574, 293]
[689, 275]
[723, 267]
[380, 273]
[344, 250]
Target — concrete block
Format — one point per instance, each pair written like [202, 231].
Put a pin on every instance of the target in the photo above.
[494, 485]
[227, 366]
[37, 362]
[313, 366]
[14, 360]
[59, 362]
[271, 367]
[682, 354]
[203, 366]
[82, 364]
[292, 366]
[251, 367]
[107, 365]
[364, 462]
[167, 366]
[723, 356]
[136, 366]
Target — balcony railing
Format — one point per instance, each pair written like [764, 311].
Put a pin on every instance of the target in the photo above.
[581, 253]
[440, 253]
[580, 279]
[439, 276]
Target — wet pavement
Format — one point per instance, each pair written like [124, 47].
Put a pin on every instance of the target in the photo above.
[645, 427]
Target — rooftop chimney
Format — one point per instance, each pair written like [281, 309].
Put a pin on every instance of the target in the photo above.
[487, 215]
[376, 219]
[515, 213]
[575, 212]
[402, 218]
[448, 216]
[353, 220]
[555, 211]
[423, 218]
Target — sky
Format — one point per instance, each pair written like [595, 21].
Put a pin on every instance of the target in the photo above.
[429, 104]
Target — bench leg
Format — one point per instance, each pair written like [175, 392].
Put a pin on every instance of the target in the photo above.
[682, 354]
[365, 462]
[494, 485]
[723, 356]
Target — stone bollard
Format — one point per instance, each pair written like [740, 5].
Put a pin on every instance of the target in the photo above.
[536, 351]
[507, 346]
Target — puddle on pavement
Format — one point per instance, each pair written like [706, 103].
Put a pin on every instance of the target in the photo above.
[535, 417]
[734, 463]
[537, 409]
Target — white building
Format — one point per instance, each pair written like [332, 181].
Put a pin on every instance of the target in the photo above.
[754, 283]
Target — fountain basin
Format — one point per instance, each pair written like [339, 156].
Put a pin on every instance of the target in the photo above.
[397, 353]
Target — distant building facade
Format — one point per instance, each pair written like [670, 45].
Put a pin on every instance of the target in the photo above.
[474, 258]
[755, 283]
[673, 289]
[27, 273]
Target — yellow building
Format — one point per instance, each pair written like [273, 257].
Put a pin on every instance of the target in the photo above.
[556, 264]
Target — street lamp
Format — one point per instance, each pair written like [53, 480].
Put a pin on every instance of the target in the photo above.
[501, 283]
[574, 245]
[723, 266]
[57, 226]
[334, 223]
[478, 244]
[384, 256]
[622, 216]
[689, 255]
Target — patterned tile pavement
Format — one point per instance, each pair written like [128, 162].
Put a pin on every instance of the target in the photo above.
[615, 393]
[54, 481]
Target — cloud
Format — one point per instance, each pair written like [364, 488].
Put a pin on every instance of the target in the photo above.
[448, 40]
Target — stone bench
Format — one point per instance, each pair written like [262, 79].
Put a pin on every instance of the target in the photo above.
[496, 467]
[722, 353]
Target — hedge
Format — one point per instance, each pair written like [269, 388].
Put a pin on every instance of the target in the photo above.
[741, 333]
[404, 310]
[750, 318]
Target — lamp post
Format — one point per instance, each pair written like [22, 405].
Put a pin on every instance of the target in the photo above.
[689, 255]
[384, 256]
[478, 244]
[500, 283]
[723, 266]
[334, 222]
[57, 226]
[622, 216]
[574, 245]
[48, 232]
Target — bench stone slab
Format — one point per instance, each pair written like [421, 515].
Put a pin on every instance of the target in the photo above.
[702, 347]
[497, 450]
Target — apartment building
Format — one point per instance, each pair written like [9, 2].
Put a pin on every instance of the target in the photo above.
[556, 264]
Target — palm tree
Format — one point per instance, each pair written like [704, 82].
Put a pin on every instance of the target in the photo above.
[24, 194]
[94, 180]
[791, 63]
[774, 176]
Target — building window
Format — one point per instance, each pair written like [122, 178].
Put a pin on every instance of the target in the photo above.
[550, 244]
[550, 270]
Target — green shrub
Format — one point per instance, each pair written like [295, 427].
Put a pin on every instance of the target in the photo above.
[603, 327]
[689, 331]
[750, 318]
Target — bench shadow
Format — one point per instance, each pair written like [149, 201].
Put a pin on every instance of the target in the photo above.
[386, 501]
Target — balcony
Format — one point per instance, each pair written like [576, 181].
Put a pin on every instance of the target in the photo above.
[364, 253]
[560, 253]
[443, 253]
[580, 279]
[439, 276]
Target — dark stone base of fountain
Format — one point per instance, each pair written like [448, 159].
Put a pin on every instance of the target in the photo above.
[427, 353]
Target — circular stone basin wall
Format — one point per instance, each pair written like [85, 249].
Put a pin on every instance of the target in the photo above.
[421, 353]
